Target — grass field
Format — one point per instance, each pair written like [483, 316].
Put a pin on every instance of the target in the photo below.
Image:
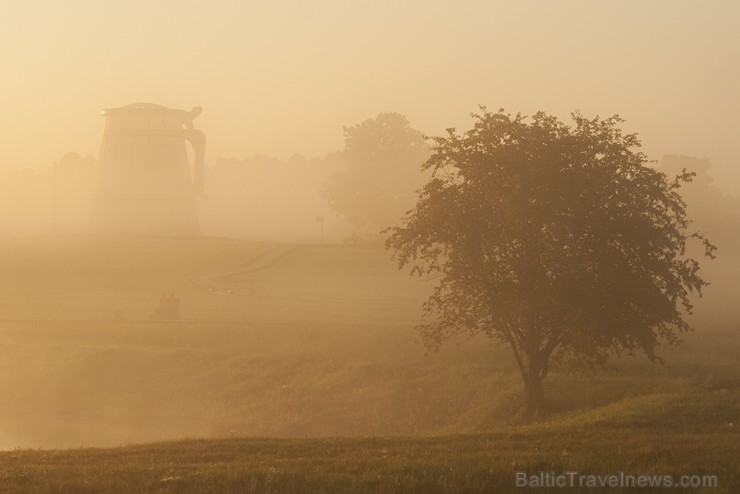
[304, 375]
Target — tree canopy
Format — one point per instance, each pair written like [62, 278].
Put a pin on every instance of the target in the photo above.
[553, 239]
[379, 183]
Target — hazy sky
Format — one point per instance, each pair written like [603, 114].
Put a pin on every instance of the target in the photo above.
[283, 77]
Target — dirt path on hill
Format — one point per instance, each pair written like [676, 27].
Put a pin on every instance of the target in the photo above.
[261, 262]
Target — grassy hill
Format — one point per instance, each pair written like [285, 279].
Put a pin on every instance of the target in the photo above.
[706, 452]
[303, 345]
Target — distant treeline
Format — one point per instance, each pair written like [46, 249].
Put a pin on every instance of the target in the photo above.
[263, 197]
[711, 211]
[39, 201]
[258, 198]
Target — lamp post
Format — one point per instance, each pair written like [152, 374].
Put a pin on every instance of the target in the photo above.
[54, 203]
[320, 220]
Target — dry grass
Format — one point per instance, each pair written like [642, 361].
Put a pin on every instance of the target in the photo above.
[484, 462]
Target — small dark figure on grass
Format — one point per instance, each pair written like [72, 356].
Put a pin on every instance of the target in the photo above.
[169, 307]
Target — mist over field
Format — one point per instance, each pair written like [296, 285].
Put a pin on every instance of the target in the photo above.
[215, 219]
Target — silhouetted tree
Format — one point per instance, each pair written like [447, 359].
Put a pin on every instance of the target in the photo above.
[379, 183]
[551, 239]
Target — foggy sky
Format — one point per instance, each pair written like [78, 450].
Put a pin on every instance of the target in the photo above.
[283, 77]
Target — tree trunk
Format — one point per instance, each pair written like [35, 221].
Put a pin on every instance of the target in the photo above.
[534, 396]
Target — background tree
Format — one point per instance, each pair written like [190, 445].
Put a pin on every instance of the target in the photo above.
[379, 183]
[710, 209]
[551, 239]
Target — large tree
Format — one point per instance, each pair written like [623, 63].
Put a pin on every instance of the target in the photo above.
[381, 177]
[552, 239]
